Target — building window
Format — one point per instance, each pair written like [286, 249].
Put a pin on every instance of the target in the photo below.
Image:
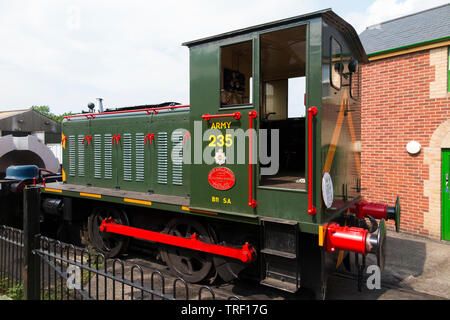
[236, 70]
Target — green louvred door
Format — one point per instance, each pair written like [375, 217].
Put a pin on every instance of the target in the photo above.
[446, 194]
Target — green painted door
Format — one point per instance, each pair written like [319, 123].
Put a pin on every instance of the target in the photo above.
[446, 195]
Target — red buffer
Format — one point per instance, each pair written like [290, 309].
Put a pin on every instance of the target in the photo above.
[345, 238]
[245, 254]
[357, 240]
[378, 211]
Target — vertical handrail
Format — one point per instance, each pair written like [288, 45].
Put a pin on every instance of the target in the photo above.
[312, 111]
[251, 202]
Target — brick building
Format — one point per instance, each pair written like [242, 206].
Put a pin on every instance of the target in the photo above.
[405, 99]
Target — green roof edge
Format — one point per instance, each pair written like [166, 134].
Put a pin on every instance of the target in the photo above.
[409, 46]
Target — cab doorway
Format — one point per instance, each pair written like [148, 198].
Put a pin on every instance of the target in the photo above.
[283, 95]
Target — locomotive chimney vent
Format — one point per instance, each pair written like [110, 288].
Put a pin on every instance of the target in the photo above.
[100, 105]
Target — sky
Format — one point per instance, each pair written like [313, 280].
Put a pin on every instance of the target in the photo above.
[65, 54]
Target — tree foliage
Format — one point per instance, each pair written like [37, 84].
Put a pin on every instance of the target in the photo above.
[45, 110]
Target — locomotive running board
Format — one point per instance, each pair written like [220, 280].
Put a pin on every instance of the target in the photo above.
[246, 254]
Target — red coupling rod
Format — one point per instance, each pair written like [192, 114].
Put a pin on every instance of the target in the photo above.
[311, 209]
[236, 115]
[245, 254]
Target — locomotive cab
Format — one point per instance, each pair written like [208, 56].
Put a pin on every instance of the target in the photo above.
[293, 87]
[272, 75]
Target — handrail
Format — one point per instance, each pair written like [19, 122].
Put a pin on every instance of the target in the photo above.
[115, 138]
[236, 115]
[149, 137]
[251, 202]
[88, 139]
[311, 112]
[148, 110]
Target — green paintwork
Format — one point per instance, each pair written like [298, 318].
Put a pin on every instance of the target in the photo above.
[205, 98]
[344, 170]
[445, 195]
[164, 121]
[155, 206]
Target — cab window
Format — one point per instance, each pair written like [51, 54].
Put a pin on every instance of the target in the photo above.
[336, 65]
[236, 74]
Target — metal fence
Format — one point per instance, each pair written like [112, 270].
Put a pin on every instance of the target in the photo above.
[36, 267]
[11, 259]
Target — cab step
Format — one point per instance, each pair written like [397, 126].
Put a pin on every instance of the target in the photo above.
[280, 254]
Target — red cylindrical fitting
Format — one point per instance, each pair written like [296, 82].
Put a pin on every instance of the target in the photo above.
[376, 210]
[345, 238]
[247, 253]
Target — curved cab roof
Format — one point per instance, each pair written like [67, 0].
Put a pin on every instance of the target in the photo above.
[327, 15]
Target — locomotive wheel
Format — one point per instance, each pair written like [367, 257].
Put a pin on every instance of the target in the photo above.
[193, 266]
[227, 268]
[111, 245]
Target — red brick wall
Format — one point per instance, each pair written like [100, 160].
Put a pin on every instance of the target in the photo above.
[396, 108]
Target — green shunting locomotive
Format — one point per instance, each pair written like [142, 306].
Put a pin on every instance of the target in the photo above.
[210, 213]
